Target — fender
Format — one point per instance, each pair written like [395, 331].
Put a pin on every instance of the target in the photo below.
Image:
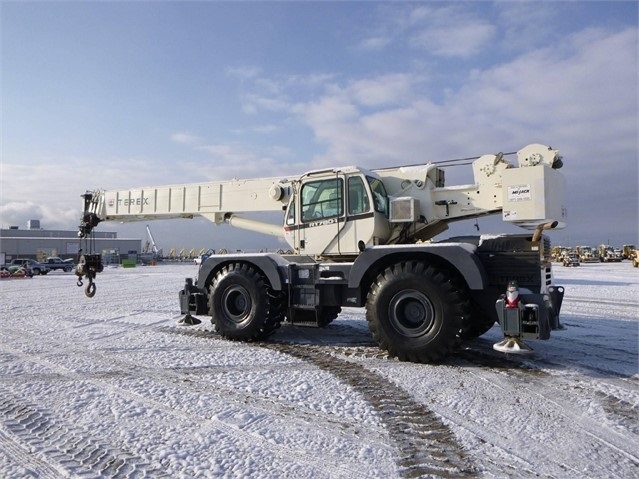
[460, 255]
[268, 263]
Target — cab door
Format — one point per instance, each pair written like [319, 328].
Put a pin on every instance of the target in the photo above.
[322, 215]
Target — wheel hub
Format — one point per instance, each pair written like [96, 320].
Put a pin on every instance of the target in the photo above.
[411, 313]
[236, 303]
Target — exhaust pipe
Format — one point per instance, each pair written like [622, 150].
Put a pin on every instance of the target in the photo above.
[542, 227]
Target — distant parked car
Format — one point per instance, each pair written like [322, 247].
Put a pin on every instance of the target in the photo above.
[54, 263]
[30, 265]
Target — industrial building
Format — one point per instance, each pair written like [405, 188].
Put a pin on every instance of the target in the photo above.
[36, 243]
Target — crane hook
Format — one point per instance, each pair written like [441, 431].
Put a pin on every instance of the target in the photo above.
[89, 266]
[89, 291]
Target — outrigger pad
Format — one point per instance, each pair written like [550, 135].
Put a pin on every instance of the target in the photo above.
[188, 320]
[512, 345]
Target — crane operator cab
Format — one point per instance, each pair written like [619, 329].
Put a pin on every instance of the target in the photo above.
[331, 211]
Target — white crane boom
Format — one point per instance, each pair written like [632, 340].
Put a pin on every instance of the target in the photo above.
[332, 212]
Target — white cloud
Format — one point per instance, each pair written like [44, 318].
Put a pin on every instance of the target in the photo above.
[185, 138]
[50, 216]
[265, 129]
[243, 72]
[580, 97]
[59, 204]
[586, 90]
[306, 82]
[581, 92]
[450, 30]
[384, 90]
[528, 24]
[454, 40]
[235, 161]
[255, 103]
[374, 43]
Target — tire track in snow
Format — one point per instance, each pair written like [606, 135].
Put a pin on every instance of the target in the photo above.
[338, 338]
[43, 419]
[425, 445]
[627, 413]
[552, 394]
[559, 354]
[74, 451]
[518, 464]
[512, 369]
[389, 400]
[16, 453]
[607, 302]
[583, 355]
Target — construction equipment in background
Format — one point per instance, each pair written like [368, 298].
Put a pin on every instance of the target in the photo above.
[587, 254]
[608, 254]
[628, 251]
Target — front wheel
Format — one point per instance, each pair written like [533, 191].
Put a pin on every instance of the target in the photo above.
[415, 312]
[242, 305]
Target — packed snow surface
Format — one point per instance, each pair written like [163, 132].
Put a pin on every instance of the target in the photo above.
[113, 387]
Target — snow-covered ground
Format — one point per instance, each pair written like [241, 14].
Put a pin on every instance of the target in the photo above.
[112, 387]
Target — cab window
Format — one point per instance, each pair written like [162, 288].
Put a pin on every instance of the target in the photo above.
[290, 215]
[358, 201]
[380, 198]
[322, 199]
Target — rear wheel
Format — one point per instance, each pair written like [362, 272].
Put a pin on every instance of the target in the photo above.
[415, 312]
[477, 325]
[242, 304]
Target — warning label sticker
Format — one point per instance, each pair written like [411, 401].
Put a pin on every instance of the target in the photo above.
[519, 193]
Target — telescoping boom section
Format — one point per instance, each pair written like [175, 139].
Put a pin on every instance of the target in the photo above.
[363, 238]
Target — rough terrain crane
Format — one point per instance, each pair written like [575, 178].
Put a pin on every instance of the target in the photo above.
[361, 238]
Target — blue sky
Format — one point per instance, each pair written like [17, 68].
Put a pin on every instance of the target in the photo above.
[127, 94]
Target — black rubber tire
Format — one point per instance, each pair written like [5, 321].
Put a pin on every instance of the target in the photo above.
[328, 314]
[36, 271]
[67, 269]
[415, 312]
[277, 311]
[476, 324]
[242, 305]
